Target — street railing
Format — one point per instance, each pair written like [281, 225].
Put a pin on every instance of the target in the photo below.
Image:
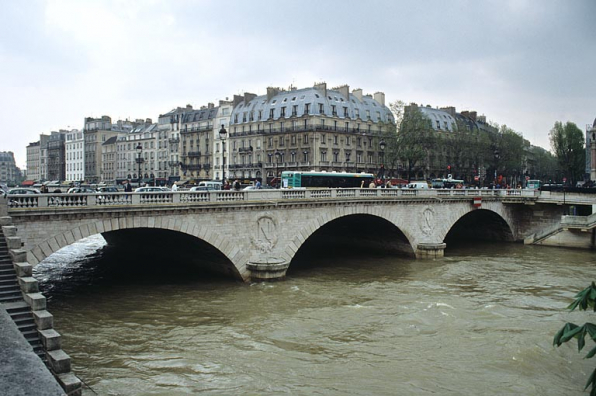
[64, 201]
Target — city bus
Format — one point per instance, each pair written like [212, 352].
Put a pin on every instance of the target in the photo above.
[314, 179]
[533, 184]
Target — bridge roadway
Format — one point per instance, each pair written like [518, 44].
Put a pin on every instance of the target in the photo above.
[258, 232]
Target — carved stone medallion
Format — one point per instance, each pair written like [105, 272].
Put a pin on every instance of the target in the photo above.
[265, 236]
[427, 221]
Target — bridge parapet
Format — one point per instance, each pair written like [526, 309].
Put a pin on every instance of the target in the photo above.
[60, 201]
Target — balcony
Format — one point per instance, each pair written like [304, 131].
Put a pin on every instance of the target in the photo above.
[194, 154]
[173, 140]
[173, 163]
[245, 149]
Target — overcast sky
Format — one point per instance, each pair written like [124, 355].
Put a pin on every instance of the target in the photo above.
[523, 63]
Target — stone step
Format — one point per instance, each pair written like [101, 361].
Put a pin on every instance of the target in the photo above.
[4, 271]
[23, 320]
[17, 307]
[31, 335]
[10, 298]
[27, 327]
[5, 289]
[9, 281]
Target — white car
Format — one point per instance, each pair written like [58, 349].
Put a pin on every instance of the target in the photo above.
[152, 189]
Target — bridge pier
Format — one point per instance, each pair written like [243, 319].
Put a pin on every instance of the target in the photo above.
[430, 250]
[268, 269]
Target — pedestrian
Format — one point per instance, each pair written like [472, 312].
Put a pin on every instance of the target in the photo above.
[128, 187]
[258, 185]
[236, 185]
[362, 184]
[372, 184]
[174, 187]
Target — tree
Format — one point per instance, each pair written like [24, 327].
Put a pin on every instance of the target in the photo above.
[414, 139]
[583, 300]
[567, 143]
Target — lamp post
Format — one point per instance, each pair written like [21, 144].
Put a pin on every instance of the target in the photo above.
[277, 157]
[222, 135]
[382, 146]
[139, 160]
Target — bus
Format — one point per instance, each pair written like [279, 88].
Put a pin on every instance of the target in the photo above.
[445, 183]
[533, 184]
[314, 179]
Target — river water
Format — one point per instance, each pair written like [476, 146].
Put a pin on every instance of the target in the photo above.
[479, 321]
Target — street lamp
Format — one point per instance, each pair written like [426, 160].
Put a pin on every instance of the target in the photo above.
[277, 157]
[139, 160]
[382, 146]
[222, 135]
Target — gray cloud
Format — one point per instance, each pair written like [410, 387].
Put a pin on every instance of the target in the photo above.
[524, 63]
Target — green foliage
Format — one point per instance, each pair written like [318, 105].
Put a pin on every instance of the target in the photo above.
[584, 300]
[567, 142]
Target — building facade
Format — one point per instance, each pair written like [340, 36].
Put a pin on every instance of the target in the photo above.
[56, 156]
[10, 174]
[195, 147]
[33, 154]
[306, 129]
[96, 132]
[75, 155]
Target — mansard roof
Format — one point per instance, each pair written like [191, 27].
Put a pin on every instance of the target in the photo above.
[440, 116]
[356, 108]
[199, 115]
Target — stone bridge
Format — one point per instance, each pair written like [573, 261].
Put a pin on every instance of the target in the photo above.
[257, 233]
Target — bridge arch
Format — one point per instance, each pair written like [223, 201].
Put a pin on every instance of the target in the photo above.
[45, 248]
[378, 215]
[489, 223]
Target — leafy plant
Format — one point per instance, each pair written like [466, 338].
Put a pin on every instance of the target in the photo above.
[584, 300]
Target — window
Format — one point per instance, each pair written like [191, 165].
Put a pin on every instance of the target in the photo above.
[333, 111]
[345, 111]
[305, 139]
[293, 140]
[306, 108]
[348, 140]
[295, 110]
[323, 156]
[335, 156]
[321, 110]
[335, 139]
[283, 112]
[323, 140]
[271, 112]
[293, 156]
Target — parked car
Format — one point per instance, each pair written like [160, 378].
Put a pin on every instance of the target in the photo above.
[23, 190]
[199, 188]
[265, 187]
[81, 190]
[152, 189]
[211, 185]
[419, 185]
[107, 189]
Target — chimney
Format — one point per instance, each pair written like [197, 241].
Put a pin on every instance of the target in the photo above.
[237, 100]
[210, 105]
[380, 97]
[450, 110]
[189, 107]
[271, 92]
[248, 97]
[321, 87]
[357, 93]
[482, 119]
[148, 121]
[344, 90]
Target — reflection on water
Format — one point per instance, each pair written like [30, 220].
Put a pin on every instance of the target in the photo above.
[479, 321]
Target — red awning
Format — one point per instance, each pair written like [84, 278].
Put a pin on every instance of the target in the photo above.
[27, 183]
